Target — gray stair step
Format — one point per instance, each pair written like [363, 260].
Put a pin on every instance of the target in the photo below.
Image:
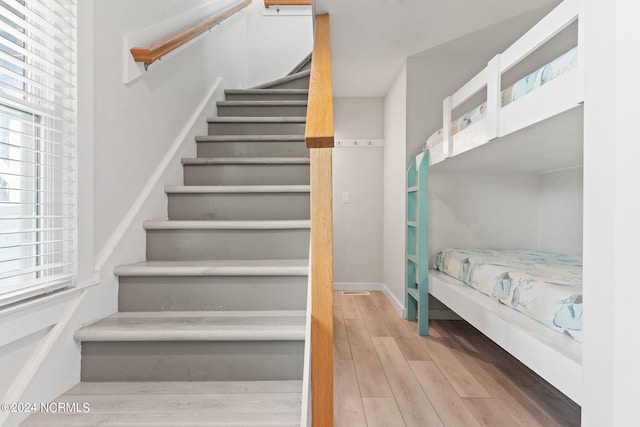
[242, 202]
[185, 387]
[246, 170]
[299, 80]
[197, 403]
[256, 125]
[142, 419]
[194, 346]
[256, 267]
[213, 285]
[278, 108]
[251, 146]
[215, 292]
[207, 239]
[197, 326]
[266, 94]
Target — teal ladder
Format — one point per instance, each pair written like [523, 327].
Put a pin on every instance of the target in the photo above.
[417, 272]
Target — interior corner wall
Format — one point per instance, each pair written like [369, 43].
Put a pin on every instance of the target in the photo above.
[357, 175]
[395, 155]
[275, 43]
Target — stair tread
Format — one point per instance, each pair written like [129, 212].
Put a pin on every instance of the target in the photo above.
[152, 419]
[196, 189]
[269, 103]
[186, 387]
[225, 224]
[178, 403]
[246, 161]
[197, 326]
[250, 138]
[259, 119]
[270, 267]
[288, 78]
[267, 91]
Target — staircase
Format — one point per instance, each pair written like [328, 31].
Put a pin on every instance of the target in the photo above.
[210, 328]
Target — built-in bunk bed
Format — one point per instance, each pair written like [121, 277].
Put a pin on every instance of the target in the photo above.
[527, 300]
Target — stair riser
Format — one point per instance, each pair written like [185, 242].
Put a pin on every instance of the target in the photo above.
[262, 111]
[272, 174]
[249, 96]
[192, 361]
[256, 128]
[252, 149]
[192, 245]
[212, 293]
[240, 206]
[300, 83]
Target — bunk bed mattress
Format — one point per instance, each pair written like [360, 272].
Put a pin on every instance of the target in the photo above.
[543, 286]
[545, 74]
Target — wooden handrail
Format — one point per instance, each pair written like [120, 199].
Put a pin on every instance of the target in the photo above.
[268, 3]
[319, 129]
[319, 137]
[163, 47]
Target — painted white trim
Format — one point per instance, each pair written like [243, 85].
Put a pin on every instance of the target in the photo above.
[27, 305]
[153, 181]
[399, 307]
[32, 365]
[305, 413]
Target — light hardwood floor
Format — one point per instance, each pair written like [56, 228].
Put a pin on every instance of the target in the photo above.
[387, 375]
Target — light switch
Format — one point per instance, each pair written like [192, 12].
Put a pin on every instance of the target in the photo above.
[346, 197]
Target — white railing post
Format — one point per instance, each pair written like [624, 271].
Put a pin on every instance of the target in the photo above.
[447, 140]
[494, 97]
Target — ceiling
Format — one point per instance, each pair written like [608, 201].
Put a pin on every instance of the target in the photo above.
[371, 39]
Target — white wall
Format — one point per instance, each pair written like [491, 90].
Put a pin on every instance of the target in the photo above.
[483, 211]
[395, 137]
[358, 171]
[276, 44]
[135, 124]
[506, 211]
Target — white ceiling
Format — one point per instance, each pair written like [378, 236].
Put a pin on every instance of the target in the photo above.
[371, 39]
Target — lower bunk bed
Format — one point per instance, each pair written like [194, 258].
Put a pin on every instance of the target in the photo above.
[530, 303]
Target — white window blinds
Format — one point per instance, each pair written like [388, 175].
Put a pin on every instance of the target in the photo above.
[37, 147]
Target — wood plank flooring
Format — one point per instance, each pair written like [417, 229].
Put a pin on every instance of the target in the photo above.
[387, 375]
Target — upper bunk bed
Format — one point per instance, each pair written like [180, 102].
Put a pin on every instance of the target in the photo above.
[528, 123]
[520, 122]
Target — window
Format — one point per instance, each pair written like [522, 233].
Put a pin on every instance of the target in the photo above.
[37, 147]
